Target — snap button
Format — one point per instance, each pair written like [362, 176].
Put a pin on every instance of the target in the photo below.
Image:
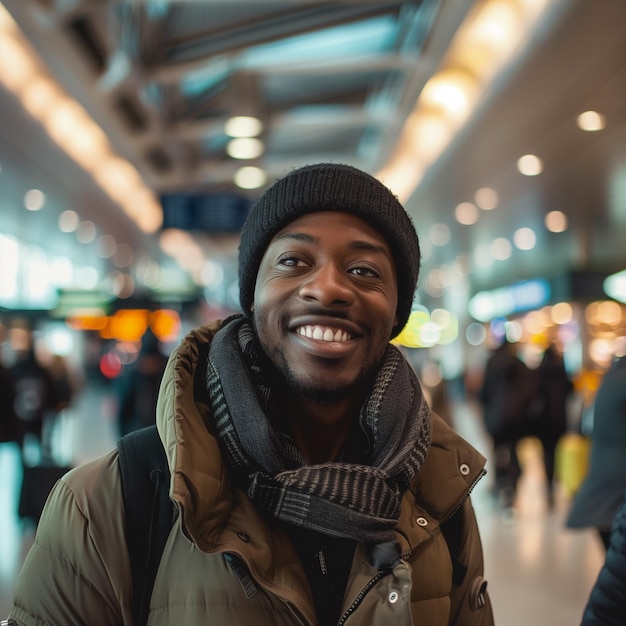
[478, 593]
[243, 536]
[393, 597]
[464, 469]
[422, 521]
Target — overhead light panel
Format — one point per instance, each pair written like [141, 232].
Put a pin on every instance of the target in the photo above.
[492, 32]
[70, 126]
[243, 126]
[245, 148]
[250, 177]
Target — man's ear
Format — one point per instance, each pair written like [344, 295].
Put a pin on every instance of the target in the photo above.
[252, 308]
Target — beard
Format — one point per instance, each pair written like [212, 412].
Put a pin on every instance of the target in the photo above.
[280, 375]
[308, 389]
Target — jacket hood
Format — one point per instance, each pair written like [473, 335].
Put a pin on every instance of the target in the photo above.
[199, 483]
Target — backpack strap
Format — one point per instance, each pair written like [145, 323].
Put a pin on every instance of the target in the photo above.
[149, 511]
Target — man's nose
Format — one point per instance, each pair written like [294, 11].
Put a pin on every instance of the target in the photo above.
[328, 285]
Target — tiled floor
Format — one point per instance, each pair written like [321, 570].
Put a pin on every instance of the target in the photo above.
[539, 572]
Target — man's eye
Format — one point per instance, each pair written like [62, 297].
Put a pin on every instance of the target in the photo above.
[289, 261]
[367, 272]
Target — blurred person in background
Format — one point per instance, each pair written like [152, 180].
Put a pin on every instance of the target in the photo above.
[505, 395]
[312, 483]
[436, 391]
[66, 385]
[440, 402]
[606, 605]
[9, 426]
[547, 419]
[64, 379]
[596, 503]
[139, 386]
[36, 395]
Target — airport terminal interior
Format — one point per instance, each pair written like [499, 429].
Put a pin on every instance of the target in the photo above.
[136, 136]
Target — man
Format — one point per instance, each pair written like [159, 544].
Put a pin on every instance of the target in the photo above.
[312, 483]
[505, 395]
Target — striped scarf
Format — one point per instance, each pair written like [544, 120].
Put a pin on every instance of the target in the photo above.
[349, 500]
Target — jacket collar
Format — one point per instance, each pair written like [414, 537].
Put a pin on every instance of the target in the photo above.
[450, 470]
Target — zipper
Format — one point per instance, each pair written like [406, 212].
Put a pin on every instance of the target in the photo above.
[466, 495]
[353, 607]
[322, 561]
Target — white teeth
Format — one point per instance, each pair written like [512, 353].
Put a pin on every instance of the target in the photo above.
[322, 333]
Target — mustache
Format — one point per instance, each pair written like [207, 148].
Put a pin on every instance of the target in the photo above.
[321, 312]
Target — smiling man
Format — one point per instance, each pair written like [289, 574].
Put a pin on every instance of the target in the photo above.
[312, 484]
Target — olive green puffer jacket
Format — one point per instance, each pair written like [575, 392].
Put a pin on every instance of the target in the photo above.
[224, 564]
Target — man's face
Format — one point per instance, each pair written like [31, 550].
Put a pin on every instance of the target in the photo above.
[325, 304]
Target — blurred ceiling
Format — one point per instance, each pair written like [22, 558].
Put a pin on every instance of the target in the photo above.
[329, 80]
[575, 62]
[337, 81]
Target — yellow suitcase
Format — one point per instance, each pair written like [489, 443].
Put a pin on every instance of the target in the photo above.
[572, 461]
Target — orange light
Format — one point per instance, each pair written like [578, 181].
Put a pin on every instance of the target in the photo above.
[87, 322]
[165, 324]
[129, 324]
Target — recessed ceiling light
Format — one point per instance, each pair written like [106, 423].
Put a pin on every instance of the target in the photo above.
[556, 221]
[466, 213]
[525, 238]
[106, 246]
[486, 198]
[591, 121]
[501, 248]
[530, 165]
[68, 221]
[86, 232]
[250, 177]
[34, 200]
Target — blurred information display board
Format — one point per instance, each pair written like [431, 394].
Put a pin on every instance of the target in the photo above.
[205, 212]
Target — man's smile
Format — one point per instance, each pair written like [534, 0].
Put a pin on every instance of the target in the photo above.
[324, 333]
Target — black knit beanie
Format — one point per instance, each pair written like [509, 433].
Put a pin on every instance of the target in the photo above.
[330, 187]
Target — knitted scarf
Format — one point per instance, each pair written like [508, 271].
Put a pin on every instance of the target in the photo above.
[356, 501]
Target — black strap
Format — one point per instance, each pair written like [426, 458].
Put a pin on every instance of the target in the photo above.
[149, 510]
